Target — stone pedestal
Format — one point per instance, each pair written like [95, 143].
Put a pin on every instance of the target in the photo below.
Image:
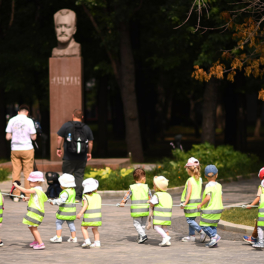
[66, 94]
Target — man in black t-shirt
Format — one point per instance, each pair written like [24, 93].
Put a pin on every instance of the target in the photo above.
[75, 163]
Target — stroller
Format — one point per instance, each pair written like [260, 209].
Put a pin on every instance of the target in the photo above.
[54, 188]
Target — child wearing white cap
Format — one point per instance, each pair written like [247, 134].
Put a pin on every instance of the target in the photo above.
[35, 208]
[91, 209]
[67, 208]
[161, 203]
[191, 197]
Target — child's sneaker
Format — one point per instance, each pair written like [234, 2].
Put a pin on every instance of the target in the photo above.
[202, 236]
[258, 245]
[34, 243]
[1, 243]
[56, 239]
[73, 240]
[142, 239]
[249, 239]
[86, 243]
[213, 241]
[188, 239]
[95, 245]
[39, 246]
[164, 241]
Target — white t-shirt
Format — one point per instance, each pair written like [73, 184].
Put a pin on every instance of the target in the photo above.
[21, 128]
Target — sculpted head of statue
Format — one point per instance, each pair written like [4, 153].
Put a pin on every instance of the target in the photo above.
[65, 28]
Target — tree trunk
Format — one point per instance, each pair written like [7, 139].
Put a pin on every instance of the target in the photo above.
[102, 117]
[241, 135]
[3, 143]
[127, 69]
[258, 121]
[209, 111]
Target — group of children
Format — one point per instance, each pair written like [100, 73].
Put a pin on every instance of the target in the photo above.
[145, 208]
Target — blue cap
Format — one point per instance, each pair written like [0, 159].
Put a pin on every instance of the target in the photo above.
[210, 169]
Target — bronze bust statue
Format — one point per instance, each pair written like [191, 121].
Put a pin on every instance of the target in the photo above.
[65, 27]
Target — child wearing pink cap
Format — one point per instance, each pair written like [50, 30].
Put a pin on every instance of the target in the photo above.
[35, 208]
[190, 198]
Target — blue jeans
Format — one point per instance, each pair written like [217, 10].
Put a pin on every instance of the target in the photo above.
[70, 224]
[193, 226]
[210, 231]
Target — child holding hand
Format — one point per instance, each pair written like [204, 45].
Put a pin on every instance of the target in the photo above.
[161, 203]
[211, 206]
[140, 195]
[35, 208]
[67, 208]
[190, 198]
[91, 209]
[259, 200]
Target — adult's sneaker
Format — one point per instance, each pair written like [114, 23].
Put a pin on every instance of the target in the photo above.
[202, 236]
[73, 240]
[142, 239]
[164, 241]
[188, 239]
[249, 239]
[56, 239]
[258, 245]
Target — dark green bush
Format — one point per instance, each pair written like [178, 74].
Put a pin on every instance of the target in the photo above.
[229, 162]
[4, 174]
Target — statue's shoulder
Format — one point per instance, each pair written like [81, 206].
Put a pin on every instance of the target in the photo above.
[74, 51]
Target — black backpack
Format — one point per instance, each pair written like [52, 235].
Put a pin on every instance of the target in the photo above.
[76, 138]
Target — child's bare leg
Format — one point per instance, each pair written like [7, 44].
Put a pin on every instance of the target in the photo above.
[73, 234]
[30, 228]
[35, 232]
[96, 234]
[85, 232]
[58, 233]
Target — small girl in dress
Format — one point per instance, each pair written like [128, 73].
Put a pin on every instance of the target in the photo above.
[92, 218]
[35, 208]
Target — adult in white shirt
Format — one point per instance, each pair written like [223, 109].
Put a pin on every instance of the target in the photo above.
[21, 131]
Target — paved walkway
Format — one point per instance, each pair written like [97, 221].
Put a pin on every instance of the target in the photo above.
[118, 237]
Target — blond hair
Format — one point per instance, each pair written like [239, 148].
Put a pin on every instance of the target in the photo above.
[194, 171]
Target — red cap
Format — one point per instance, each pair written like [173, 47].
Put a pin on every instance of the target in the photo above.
[261, 173]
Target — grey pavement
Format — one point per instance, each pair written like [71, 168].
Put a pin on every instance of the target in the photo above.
[118, 237]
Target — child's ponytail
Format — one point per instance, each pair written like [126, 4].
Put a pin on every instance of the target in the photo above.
[194, 171]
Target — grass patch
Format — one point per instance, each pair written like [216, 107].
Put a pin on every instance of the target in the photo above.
[240, 216]
[4, 174]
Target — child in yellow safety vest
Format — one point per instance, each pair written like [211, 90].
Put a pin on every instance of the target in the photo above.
[35, 208]
[91, 209]
[161, 203]
[211, 206]
[190, 198]
[140, 195]
[1, 213]
[259, 200]
[67, 208]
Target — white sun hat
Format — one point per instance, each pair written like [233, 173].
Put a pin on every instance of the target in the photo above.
[67, 180]
[90, 185]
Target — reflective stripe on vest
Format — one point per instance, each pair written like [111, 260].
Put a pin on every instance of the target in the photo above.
[1, 208]
[67, 210]
[211, 212]
[261, 209]
[93, 215]
[190, 209]
[139, 200]
[35, 212]
[163, 210]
